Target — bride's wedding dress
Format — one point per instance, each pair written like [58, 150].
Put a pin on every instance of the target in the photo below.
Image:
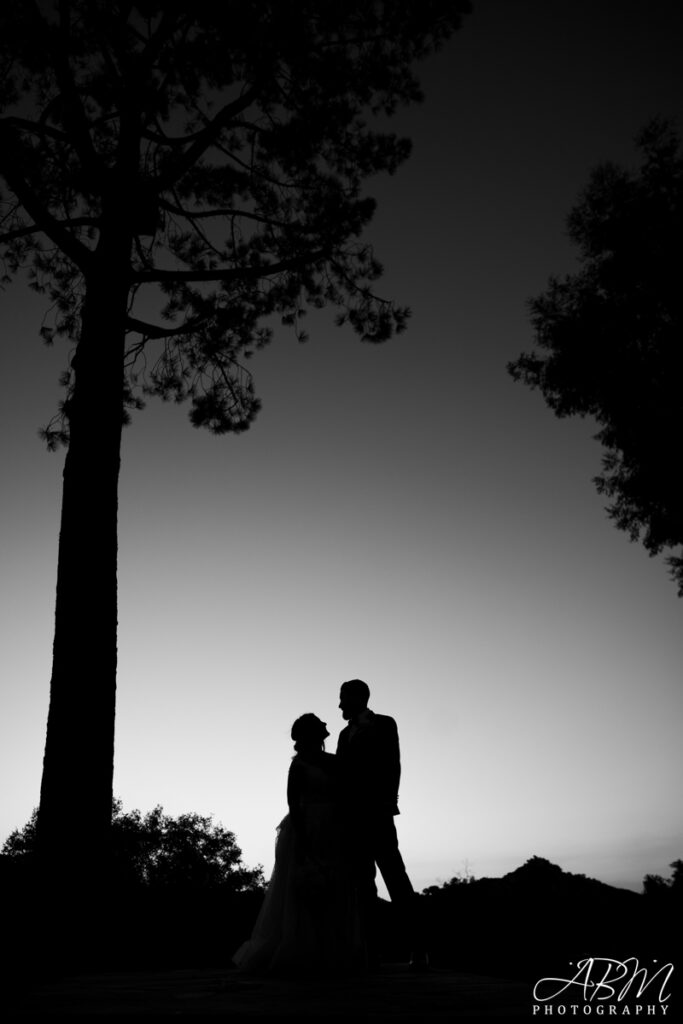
[309, 919]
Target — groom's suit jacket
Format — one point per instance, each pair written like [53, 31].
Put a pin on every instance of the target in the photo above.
[370, 764]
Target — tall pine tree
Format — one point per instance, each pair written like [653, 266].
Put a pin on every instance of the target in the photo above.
[205, 161]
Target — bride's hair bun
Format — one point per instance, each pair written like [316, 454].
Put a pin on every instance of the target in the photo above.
[306, 730]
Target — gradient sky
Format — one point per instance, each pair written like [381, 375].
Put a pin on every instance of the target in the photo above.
[402, 513]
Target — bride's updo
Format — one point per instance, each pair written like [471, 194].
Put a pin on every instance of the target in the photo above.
[309, 733]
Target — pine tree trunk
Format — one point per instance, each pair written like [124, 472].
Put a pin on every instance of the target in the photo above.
[74, 818]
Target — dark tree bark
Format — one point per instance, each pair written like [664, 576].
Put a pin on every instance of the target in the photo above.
[79, 752]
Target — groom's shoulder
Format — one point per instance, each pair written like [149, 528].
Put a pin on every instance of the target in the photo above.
[385, 722]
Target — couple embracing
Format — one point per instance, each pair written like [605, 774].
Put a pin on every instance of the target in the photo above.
[319, 909]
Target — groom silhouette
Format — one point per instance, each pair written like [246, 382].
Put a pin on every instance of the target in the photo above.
[370, 768]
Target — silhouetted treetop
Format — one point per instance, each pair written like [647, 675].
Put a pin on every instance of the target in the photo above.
[656, 885]
[609, 337]
[158, 850]
[229, 144]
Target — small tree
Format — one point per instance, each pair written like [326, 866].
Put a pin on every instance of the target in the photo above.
[655, 885]
[609, 338]
[175, 176]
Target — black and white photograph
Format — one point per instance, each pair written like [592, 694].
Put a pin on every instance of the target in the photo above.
[341, 522]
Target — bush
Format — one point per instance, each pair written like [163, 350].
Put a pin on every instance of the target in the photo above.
[175, 893]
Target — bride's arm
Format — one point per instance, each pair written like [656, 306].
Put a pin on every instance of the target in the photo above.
[294, 792]
[295, 798]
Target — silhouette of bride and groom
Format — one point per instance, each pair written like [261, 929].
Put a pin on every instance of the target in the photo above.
[319, 911]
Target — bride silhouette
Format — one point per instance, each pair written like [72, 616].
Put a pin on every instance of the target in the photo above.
[310, 918]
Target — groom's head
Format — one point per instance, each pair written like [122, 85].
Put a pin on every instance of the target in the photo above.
[353, 698]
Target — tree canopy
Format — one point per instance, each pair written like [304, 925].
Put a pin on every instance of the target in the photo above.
[159, 851]
[609, 341]
[231, 141]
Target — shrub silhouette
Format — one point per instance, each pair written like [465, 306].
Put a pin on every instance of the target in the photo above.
[157, 850]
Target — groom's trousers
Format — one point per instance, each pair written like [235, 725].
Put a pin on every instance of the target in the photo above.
[375, 842]
[384, 852]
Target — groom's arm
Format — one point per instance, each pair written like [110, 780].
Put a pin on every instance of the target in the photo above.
[391, 763]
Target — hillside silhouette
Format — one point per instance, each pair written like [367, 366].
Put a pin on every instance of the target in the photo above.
[539, 917]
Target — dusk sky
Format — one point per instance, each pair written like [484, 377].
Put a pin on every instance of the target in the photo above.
[405, 513]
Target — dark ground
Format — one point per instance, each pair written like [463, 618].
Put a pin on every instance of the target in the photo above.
[166, 953]
[393, 993]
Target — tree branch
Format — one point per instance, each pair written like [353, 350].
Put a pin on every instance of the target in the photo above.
[229, 274]
[31, 229]
[168, 25]
[252, 169]
[183, 140]
[54, 229]
[207, 242]
[220, 212]
[75, 118]
[155, 331]
[205, 137]
[36, 129]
